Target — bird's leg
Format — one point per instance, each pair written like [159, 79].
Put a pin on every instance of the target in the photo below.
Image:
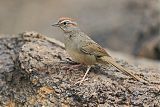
[80, 82]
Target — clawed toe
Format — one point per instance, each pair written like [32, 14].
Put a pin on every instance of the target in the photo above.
[80, 82]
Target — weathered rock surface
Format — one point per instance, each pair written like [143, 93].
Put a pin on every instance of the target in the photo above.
[34, 72]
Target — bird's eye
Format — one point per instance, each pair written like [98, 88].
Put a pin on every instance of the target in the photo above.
[64, 23]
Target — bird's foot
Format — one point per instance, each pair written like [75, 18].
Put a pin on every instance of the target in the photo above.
[83, 79]
[80, 82]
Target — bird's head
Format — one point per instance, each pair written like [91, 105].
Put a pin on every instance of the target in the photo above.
[66, 24]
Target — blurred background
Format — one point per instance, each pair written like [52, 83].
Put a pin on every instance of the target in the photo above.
[128, 26]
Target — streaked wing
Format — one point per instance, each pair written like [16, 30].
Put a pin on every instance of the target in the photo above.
[93, 48]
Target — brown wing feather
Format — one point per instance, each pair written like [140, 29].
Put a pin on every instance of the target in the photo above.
[93, 48]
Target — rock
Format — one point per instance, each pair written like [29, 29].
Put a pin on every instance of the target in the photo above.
[33, 73]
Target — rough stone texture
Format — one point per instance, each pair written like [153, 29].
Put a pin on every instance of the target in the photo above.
[35, 72]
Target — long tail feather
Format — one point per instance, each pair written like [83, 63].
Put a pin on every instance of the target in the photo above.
[110, 60]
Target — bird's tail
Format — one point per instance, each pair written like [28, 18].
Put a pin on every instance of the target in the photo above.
[105, 60]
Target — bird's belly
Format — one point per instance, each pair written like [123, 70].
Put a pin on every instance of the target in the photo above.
[82, 58]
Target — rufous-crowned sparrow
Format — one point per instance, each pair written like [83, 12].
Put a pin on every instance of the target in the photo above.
[84, 50]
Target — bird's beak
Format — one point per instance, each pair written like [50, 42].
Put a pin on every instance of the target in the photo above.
[56, 25]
